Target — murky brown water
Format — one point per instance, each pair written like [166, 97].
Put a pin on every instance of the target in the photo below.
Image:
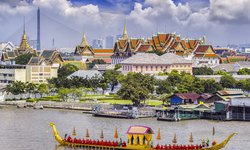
[28, 129]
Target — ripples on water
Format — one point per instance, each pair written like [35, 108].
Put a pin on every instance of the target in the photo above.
[28, 129]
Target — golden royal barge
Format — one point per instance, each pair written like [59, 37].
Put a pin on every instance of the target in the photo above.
[139, 138]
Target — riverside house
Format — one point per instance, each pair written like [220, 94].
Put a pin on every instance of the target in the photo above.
[184, 98]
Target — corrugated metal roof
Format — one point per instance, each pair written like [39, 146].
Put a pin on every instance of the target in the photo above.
[86, 73]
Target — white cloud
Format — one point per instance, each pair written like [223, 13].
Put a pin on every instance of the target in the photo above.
[213, 18]
[65, 8]
[21, 8]
[230, 10]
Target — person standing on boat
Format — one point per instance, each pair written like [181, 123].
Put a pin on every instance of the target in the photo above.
[65, 136]
[207, 143]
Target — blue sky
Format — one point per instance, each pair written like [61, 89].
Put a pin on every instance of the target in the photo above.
[222, 21]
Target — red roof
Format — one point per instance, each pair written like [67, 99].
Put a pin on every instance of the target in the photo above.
[202, 48]
[101, 50]
[144, 48]
[207, 95]
[192, 96]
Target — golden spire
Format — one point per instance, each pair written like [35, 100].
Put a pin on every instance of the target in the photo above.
[24, 43]
[102, 135]
[125, 33]
[174, 139]
[74, 131]
[84, 41]
[87, 134]
[191, 140]
[116, 133]
[159, 134]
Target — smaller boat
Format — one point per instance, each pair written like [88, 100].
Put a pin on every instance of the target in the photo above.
[139, 138]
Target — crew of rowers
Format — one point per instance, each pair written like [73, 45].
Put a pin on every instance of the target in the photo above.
[95, 142]
[178, 147]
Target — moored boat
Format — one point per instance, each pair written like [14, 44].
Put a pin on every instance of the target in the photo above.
[139, 138]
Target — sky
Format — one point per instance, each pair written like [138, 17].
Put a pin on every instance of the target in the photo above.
[221, 21]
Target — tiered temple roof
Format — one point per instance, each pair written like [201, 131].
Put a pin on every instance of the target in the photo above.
[23, 48]
[84, 48]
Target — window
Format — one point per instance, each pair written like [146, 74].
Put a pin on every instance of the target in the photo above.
[146, 68]
[151, 68]
[136, 68]
[161, 68]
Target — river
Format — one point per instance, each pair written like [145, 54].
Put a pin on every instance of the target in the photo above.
[28, 129]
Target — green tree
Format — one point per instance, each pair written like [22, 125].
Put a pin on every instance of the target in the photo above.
[76, 93]
[103, 85]
[31, 88]
[164, 87]
[246, 85]
[23, 59]
[228, 81]
[111, 77]
[211, 86]
[66, 70]
[94, 82]
[174, 77]
[203, 71]
[43, 89]
[244, 71]
[64, 93]
[136, 87]
[117, 66]
[16, 87]
[221, 72]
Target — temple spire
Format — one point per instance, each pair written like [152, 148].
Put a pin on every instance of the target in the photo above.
[23, 25]
[125, 33]
[24, 43]
[84, 41]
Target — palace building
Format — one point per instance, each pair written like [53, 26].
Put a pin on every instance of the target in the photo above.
[149, 63]
[126, 47]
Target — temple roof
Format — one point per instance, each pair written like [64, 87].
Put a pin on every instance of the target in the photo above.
[84, 41]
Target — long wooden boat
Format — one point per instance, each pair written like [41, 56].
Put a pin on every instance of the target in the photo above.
[143, 136]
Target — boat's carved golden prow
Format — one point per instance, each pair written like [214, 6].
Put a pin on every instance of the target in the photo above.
[62, 142]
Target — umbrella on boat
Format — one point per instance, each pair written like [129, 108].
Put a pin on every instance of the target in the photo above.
[116, 133]
[191, 140]
[87, 133]
[102, 136]
[174, 139]
[74, 131]
[159, 134]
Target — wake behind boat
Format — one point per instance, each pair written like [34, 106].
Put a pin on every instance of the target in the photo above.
[139, 138]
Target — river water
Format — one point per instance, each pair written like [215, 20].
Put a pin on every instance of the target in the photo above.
[28, 129]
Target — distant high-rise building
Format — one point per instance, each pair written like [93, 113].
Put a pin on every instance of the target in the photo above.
[38, 44]
[97, 43]
[109, 42]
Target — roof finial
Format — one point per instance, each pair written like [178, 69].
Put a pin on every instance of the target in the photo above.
[84, 40]
[24, 25]
[125, 33]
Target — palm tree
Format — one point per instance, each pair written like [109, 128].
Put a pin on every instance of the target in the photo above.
[31, 88]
